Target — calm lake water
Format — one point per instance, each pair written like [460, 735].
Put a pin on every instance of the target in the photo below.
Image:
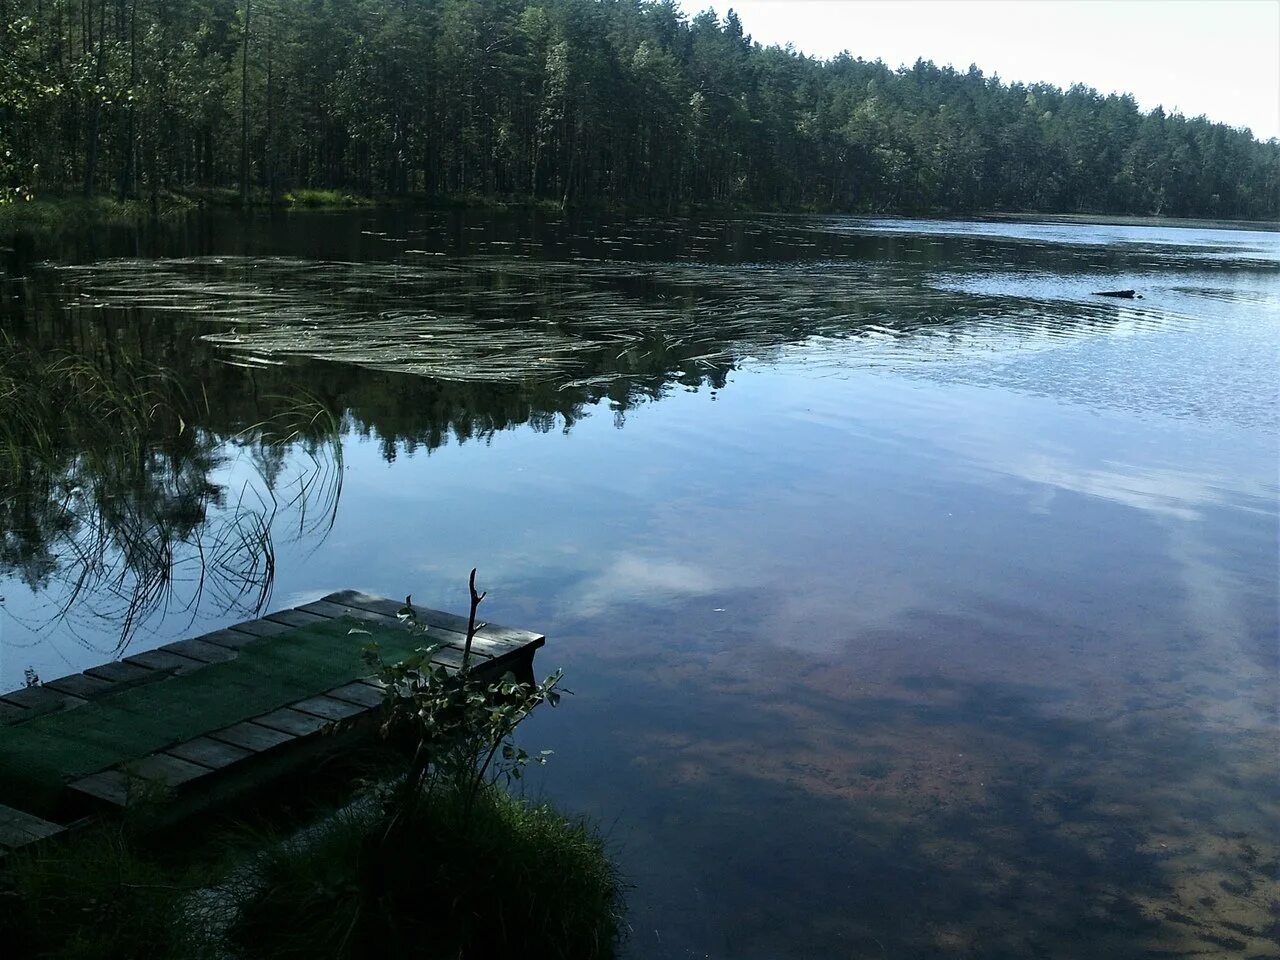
[917, 603]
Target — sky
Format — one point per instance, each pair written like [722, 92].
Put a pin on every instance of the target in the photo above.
[1216, 57]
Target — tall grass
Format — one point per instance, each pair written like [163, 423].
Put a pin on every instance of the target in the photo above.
[95, 898]
[500, 877]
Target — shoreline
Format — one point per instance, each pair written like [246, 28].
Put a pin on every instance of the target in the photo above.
[57, 213]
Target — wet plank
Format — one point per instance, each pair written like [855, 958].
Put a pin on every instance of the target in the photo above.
[17, 829]
[208, 752]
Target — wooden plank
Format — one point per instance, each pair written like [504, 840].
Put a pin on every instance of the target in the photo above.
[261, 628]
[292, 721]
[451, 657]
[252, 736]
[482, 647]
[43, 700]
[165, 769]
[329, 708]
[436, 618]
[199, 650]
[295, 618]
[325, 608]
[80, 685]
[109, 785]
[363, 694]
[230, 639]
[17, 829]
[208, 752]
[163, 660]
[117, 672]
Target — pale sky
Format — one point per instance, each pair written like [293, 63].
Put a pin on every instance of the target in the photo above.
[1216, 57]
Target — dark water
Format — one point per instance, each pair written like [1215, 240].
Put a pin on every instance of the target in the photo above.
[917, 602]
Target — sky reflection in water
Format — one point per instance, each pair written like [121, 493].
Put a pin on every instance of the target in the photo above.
[942, 626]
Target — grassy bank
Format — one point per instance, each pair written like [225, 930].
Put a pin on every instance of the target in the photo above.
[497, 878]
[96, 897]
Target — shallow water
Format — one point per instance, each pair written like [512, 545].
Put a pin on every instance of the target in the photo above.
[917, 603]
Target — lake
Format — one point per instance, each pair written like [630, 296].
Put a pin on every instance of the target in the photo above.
[916, 601]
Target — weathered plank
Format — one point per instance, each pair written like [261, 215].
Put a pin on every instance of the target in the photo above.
[329, 708]
[326, 608]
[252, 736]
[362, 694]
[199, 650]
[117, 672]
[230, 639]
[451, 657]
[262, 628]
[295, 618]
[163, 660]
[42, 699]
[436, 618]
[164, 769]
[208, 752]
[17, 829]
[80, 685]
[147, 779]
[482, 647]
[292, 721]
[111, 786]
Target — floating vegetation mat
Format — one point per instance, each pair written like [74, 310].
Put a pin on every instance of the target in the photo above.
[576, 322]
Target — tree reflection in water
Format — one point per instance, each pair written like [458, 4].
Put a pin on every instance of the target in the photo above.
[121, 504]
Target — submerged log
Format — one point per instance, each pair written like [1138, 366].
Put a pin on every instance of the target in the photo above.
[1123, 294]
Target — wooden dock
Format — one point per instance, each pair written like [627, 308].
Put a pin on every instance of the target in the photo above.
[197, 721]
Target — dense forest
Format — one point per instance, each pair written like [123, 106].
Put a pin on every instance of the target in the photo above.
[618, 102]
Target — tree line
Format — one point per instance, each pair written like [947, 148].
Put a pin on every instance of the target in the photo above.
[611, 102]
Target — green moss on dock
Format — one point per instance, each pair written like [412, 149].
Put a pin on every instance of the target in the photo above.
[38, 756]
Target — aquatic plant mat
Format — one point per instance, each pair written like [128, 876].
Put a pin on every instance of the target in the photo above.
[578, 322]
[179, 718]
